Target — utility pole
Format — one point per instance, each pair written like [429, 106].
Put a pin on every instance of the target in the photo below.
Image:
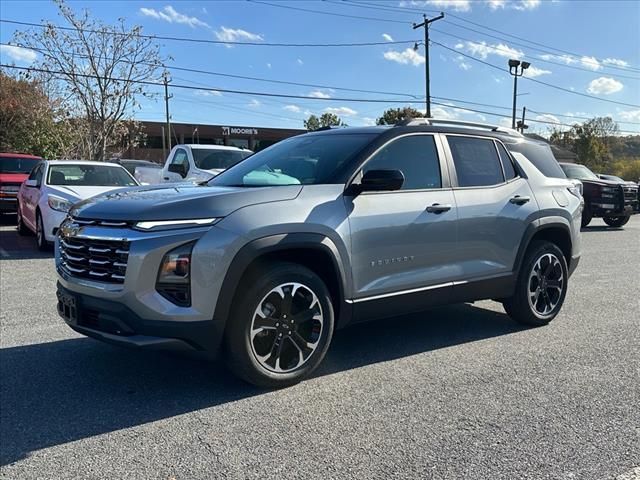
[425, 23]
[522, 125]
[166, 107]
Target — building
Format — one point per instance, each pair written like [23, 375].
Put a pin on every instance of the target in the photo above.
[254, 138]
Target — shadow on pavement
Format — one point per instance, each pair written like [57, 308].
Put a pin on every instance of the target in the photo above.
[601, 228]
[58, 392]
[18, 247]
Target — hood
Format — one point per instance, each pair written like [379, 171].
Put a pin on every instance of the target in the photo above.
[604, 183]
[13, 177]
[76, 193]
[178, 202]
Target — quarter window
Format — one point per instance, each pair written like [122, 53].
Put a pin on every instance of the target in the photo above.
[507, 164]
[415, 156]
[476, 161]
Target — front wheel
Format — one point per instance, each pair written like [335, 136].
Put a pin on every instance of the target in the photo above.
[541, 287]
[41, 240]
[281, 326]
[616, 221]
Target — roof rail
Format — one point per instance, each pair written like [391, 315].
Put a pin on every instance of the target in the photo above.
[457, 123]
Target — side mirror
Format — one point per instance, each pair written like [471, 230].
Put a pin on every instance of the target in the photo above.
[381, 180]
[31, 183]
[179, 168]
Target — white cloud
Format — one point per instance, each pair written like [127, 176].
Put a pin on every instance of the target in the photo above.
[548, 118]
[319, 94]
[526, 5]
[483, 50]
[456, 5]
[341, 111]
[408, 56]
[292, 108]
[533, 72]
[18, 54]
[591, 63]
[254, 103]
[495, 4]
[444, 113]
[368, 121]
[387, 37]
[566, 59]
[460, 61]
[236, 35]
[268, 65]
[169, 14]
[604, 86]
[615, 61]
[300, 62]
[631, 115]
[208, 93]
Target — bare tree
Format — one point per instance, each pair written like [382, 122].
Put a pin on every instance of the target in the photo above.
[100, 68]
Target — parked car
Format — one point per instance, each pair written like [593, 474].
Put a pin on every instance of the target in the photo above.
[14, 169]
[612, 199]
[54, 186]
[319, 231]
[194, 163]
[140, 169]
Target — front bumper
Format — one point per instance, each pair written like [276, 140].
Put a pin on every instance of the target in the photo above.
[114, 323]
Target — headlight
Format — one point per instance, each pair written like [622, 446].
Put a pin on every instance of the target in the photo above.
[59, 204]
[576, 190]
[173, 224]
[174, 275]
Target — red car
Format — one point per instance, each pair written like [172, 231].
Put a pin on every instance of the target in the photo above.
[14, 169]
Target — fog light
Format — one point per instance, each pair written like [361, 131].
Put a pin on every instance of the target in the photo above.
[174, 275]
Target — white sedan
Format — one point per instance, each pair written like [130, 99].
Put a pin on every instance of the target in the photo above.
[54, 186]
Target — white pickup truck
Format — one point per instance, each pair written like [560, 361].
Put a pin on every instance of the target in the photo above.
[192, 163]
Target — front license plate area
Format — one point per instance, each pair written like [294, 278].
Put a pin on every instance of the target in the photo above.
[67, 307]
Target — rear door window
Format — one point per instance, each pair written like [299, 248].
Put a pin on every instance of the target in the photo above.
[476, 161]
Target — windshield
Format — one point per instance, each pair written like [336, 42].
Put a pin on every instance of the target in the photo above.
[579, 172]
[207, 159]
[17, 165]
[89, 176]
[303, 160]
[541, 156]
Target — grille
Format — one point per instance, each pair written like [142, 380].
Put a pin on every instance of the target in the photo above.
[630, 194]
[102, 260]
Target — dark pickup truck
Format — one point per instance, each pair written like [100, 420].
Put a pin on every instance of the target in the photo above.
[614, 201]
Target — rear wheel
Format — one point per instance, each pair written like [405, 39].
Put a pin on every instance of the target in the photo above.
[541, 287]
[22, 228]
[281, 327]
[616, 221]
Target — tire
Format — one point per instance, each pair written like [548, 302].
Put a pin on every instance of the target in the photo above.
[20, 226]
[616, 222]
[41, 241]
[267, 356]
[529, 305]
[586, 217]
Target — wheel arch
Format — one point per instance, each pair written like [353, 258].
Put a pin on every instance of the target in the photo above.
[555, 230]
[315, 251]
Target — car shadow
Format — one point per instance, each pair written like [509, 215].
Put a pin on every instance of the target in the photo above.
[601, 228]
[58, 392]
[18, 247]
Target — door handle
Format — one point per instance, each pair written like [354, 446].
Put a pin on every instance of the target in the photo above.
[519, 200]
[167, 178]
[437, 208]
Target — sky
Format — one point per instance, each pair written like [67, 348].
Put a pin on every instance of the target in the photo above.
[585, 47]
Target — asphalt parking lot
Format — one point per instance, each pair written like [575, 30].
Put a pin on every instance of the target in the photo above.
[454, 393]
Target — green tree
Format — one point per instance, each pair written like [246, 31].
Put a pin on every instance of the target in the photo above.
[30, 122]
[395, 115]
[101, 70]
[326, 120]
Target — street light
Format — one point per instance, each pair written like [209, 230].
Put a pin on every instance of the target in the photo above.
[516, 68]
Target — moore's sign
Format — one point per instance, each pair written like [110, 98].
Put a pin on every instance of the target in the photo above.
[226, 131]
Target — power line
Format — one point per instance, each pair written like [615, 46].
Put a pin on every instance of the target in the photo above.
[407, 10]
[213, 42]
[534, 80]
[242, 77]
[223, 90]
[358, 17]
[537, 59]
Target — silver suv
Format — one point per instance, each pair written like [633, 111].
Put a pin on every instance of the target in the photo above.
[265, 261]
